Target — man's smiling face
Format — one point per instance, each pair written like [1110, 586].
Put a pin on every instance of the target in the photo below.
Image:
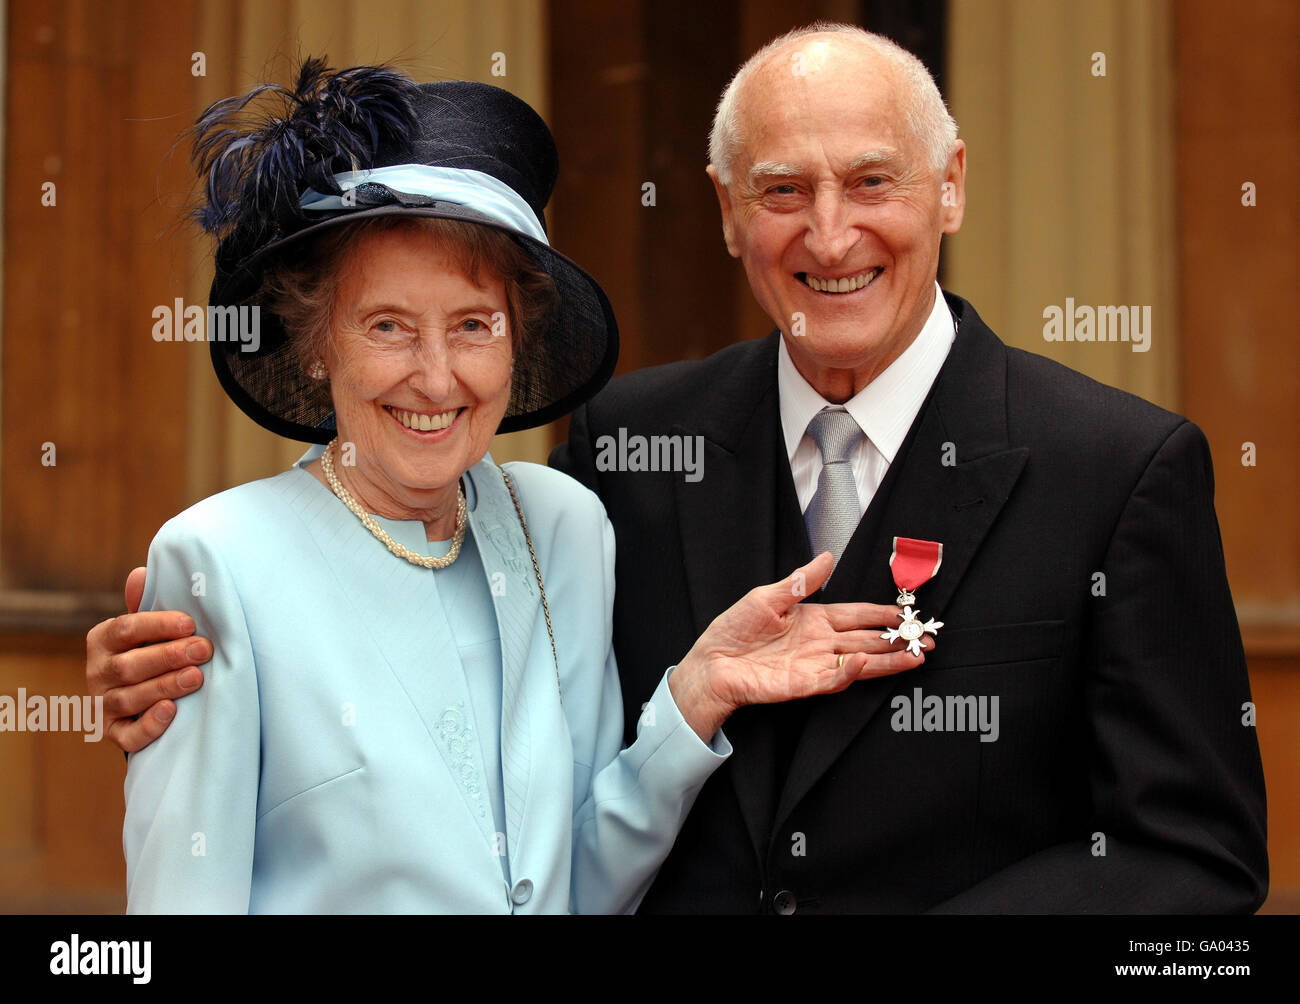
[835, 210]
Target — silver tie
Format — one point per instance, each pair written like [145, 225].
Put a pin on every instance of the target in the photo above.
[833, 513]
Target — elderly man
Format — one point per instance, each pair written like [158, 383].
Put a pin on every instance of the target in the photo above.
[1077, 741]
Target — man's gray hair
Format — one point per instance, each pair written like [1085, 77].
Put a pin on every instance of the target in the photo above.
[927, 115]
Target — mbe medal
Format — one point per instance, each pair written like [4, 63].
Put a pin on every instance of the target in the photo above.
[913, 563]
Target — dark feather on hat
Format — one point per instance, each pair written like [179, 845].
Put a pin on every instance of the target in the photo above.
[255, 163]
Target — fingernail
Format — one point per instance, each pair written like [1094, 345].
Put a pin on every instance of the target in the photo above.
[164, 714]
[185, 625]
[196, 651]
[191, 678]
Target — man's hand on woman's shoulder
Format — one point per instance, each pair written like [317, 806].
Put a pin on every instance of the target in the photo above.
[140, 663]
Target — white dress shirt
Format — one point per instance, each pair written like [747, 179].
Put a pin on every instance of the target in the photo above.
[885, 408]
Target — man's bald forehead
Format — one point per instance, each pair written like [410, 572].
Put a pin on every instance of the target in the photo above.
[824, 62]
[814, 54]
[806, 58]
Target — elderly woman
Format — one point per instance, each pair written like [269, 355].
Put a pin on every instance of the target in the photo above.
[413, 703]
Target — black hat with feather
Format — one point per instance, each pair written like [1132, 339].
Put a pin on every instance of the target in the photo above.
[363, 142]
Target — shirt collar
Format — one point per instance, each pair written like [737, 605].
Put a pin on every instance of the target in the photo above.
[886, 407]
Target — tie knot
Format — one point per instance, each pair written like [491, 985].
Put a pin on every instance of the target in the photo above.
[836, 433]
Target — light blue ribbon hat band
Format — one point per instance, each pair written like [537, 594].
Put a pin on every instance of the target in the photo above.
[472, 189]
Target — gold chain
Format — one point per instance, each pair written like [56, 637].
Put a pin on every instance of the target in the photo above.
[423, 560]
[537, 570]
[462, 520]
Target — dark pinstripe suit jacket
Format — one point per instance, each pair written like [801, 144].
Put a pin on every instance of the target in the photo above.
[1122, 778]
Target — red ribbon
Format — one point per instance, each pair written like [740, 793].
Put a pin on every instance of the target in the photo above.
[914, 562]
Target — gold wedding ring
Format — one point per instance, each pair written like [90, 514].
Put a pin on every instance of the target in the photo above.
[840, 663]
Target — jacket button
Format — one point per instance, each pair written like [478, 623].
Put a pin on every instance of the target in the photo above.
[522, 892]
[784, 902]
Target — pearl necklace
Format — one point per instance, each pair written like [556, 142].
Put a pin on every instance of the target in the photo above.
[423, 560]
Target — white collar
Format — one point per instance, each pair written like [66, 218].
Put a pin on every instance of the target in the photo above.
[884, 408]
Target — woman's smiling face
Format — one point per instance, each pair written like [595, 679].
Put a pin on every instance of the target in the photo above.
[419, 364]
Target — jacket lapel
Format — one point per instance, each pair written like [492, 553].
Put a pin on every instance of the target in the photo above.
[728, 523]
[923, 497]
[508, 566]
[420, 652]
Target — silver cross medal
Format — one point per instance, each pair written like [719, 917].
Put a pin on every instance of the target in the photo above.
[911, 629]
[913, 563]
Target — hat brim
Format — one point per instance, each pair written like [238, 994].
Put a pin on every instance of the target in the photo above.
[563, 366]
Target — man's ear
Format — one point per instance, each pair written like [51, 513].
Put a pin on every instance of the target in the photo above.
[952, 200]
[724, 203]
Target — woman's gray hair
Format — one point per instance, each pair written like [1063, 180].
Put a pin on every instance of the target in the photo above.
[927, 115]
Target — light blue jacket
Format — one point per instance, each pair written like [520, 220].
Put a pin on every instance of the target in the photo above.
[323, 766]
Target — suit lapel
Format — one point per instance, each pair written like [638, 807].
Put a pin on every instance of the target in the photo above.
[924, 495]
[728, 523]
[512, 582]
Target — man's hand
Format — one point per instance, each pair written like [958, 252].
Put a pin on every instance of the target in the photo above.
[768, 647]
[140, 662]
